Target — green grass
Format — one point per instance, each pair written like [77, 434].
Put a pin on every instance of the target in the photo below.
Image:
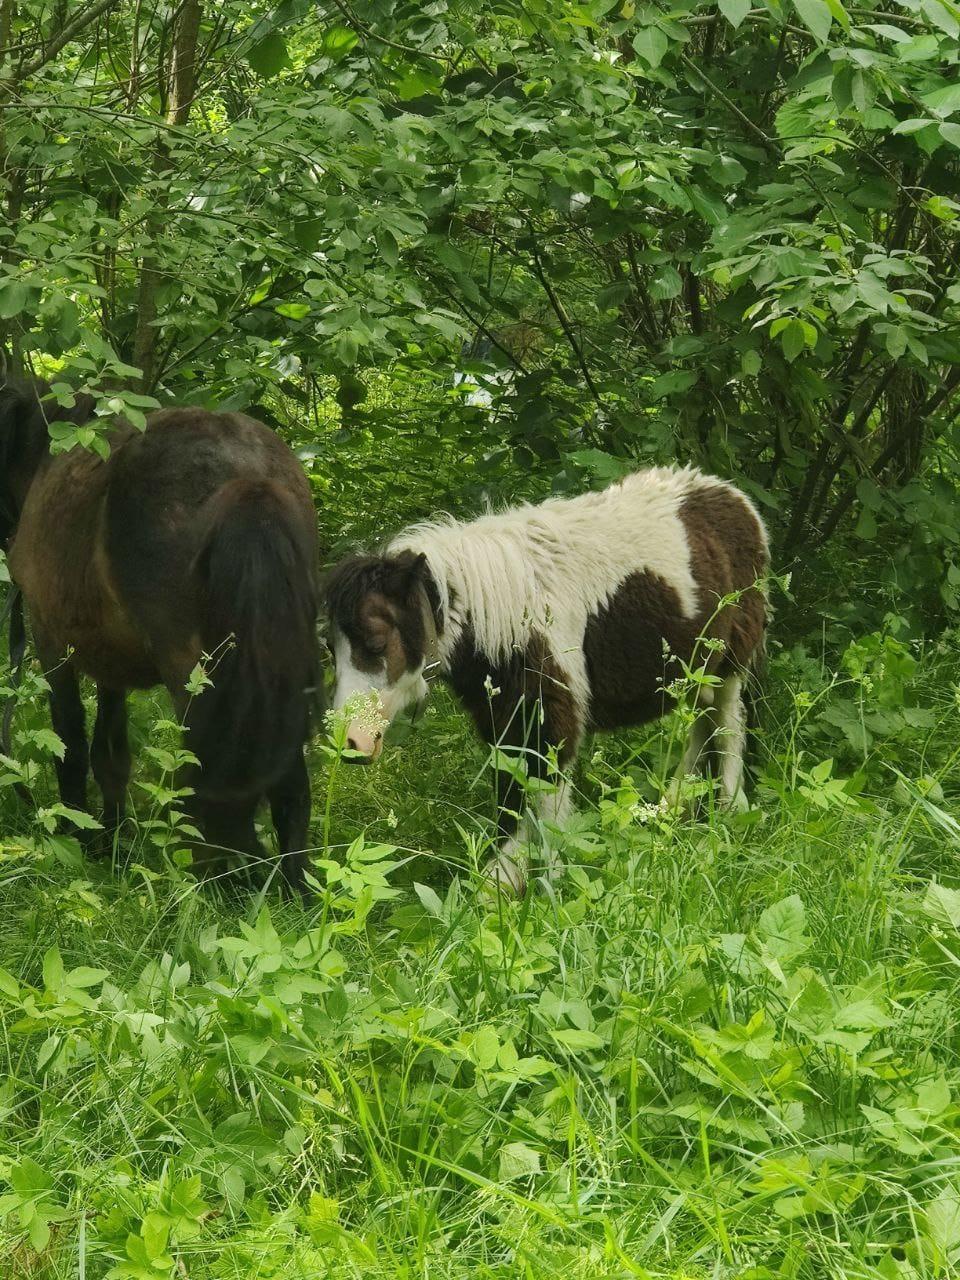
[724, 1048]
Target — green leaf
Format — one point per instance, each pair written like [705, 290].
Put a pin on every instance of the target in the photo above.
[781, 927]
[734, 11]
[667, 283]
[942, 15]
[53, 970]
[84, 976]
[576, 1040]
[793, 339]
[651, 44]
[943, 102]
[727, 171]
[430, 899]
[951, 133]
[913, 125]
[418, 84]
[293, 310]
[13, 297]
[485, 1048]
[338, 41]
[517, 1160]
[346, 348]
[816, 17]
[669, 383]
[269, 56]
[943, 1220]
[942, 904]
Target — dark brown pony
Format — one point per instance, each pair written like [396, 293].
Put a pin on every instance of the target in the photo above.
[195, 537]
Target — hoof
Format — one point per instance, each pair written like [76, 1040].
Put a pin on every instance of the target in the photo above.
[506, 876]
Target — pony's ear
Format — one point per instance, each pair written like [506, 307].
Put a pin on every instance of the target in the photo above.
[414, 572]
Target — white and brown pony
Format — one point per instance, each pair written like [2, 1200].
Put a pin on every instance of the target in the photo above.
[551, 620]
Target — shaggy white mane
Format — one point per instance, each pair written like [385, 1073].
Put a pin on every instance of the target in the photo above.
[549, 567]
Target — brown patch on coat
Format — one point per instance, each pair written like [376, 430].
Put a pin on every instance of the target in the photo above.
[633, 647]
[532, 705]
[728, 554]
[521, 702]
[638, 642]
[381, 646]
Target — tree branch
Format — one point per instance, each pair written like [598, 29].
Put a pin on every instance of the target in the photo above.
[565, 325]
[69, 32]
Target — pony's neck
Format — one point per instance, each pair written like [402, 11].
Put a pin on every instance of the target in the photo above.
[25, 445]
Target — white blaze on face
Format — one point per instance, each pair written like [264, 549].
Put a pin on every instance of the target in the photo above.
[385, 700]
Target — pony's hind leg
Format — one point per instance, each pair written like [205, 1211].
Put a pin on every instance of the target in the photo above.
[729, 743]
[698, 738]
[110, 754]
[290, 809]
[227, 826]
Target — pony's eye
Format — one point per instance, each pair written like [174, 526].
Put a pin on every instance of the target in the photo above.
[376, 648]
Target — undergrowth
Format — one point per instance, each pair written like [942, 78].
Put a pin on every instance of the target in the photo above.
[717, 1048]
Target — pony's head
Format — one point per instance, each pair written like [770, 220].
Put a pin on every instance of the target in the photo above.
[24, 414]
[383, 614]
[19, 412]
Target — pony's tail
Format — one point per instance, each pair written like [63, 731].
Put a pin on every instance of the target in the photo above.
[256, 575]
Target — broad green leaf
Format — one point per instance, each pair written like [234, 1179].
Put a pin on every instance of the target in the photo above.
[430, 899]
[13, 297]
[942, 904]
[53, 969]
[651, 44]
[943, 15]
[576, 1040]
[943, 1220]
[816, 17]
[672, 382]
[735, 11]
[485, 1048]
[517, 1160]
[269, 56]
[418, 84]
[793, 339]
[913, 125]
[781, 926]
[338, 41]
[293, 310]
[943, 102]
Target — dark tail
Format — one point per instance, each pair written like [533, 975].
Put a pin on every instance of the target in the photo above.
[257, 574]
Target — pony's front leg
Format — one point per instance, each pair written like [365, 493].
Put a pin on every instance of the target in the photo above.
[110, 754]
[70, 725]
[507, 869]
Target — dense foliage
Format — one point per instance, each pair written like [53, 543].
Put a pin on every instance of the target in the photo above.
[470, 249]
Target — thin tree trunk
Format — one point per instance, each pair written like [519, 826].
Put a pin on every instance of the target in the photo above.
[8, 179]
[181, 82]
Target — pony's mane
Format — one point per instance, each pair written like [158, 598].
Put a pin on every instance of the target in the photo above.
[499, 569]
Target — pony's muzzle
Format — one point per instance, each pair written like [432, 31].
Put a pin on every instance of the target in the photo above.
[366, 745]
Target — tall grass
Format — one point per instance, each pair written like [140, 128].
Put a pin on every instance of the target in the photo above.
[717, 1048]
